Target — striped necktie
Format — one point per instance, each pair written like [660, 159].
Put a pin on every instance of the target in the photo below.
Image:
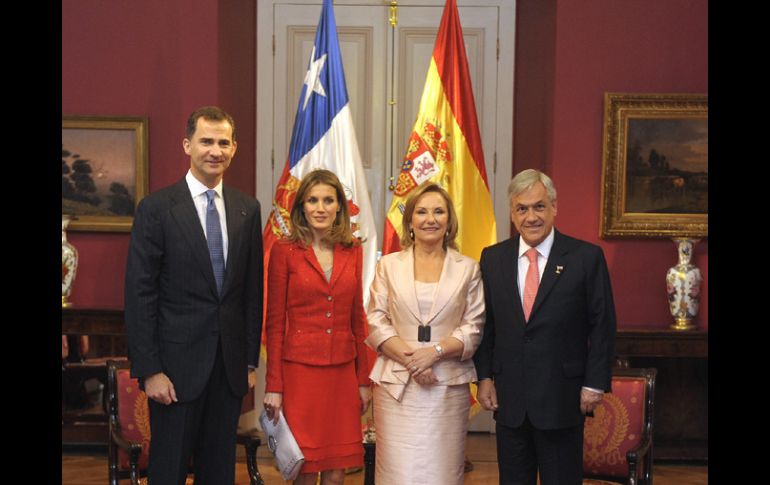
[214, 239]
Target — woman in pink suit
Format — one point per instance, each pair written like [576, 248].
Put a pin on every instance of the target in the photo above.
[426, 315]
[315, 329]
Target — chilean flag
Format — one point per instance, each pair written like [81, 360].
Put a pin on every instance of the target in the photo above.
[324, 137]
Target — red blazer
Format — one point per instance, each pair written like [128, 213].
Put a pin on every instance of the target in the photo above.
[310, 320]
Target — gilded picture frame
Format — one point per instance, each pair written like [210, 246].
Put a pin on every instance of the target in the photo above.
[104, 171]
[655, 165]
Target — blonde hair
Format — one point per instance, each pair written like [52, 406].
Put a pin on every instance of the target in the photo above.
[300, 229]
[452, 225]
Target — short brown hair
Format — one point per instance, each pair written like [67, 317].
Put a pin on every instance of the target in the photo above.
[300, 230]
[452, 225]
[211, 113]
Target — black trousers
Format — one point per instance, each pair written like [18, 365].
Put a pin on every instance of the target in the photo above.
[203, 429]
[523, 451]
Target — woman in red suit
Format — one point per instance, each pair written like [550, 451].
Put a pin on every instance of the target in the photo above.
[315, 329]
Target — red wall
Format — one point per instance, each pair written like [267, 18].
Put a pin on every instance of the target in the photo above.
[164, 59]
[161, 60]
[629, 46]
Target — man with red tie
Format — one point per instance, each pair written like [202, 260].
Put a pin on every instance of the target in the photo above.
[548, 347]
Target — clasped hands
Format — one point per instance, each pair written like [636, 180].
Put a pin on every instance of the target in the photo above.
[419, 363]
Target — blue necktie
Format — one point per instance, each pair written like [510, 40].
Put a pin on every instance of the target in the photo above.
[214, 239]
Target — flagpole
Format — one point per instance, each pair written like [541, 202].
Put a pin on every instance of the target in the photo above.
[392, 102]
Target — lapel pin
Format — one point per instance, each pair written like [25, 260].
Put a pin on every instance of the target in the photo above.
[559, 269]
[243, 213]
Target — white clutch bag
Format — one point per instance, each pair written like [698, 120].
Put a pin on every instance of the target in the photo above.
[281, 442]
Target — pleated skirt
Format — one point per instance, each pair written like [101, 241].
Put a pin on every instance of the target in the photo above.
[421, 440]
[322, 407]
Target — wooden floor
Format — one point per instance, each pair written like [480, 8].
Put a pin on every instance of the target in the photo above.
[91, 469]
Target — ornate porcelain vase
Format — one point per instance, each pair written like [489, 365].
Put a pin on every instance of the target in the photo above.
[69, 263]
[683, 286]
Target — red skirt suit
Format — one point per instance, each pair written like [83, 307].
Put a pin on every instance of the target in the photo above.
[316, 355]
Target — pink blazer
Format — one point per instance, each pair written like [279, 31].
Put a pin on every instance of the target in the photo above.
[311, 320]
[458, 311]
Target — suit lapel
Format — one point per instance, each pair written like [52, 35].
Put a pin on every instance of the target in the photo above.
[557, 259]
[404, 276]
[451, 274]
[510, 266]
[183, 211]
[235, 215]
[313, 261]
[342, 256]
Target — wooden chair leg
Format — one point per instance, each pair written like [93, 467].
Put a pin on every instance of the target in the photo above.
[255, 478]
[112, 462]
[134, 474]
[369, 462]
[133, 463]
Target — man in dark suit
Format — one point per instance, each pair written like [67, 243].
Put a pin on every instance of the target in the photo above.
[547, 352]
[193, 305]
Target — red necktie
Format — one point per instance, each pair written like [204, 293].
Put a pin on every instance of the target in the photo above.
[531, 282]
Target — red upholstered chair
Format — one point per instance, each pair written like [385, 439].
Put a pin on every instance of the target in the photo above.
[129, 425]
[617, 441]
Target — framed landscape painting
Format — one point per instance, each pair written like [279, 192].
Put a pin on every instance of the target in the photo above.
[104, 171]
[655, 165]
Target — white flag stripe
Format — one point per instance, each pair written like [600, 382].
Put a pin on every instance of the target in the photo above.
[338, 151]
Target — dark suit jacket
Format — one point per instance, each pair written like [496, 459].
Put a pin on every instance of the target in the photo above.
[174, 316]
[311, 320]
[539, 367]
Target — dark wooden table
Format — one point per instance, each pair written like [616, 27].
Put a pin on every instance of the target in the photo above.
[649, 342]
[681, 395]
[92, 321]
[86, 425]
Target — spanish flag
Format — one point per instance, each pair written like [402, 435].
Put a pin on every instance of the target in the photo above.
[445, 146]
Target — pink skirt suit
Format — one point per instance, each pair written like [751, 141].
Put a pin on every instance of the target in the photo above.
[421, 429]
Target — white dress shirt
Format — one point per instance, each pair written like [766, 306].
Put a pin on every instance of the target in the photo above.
[198, 192]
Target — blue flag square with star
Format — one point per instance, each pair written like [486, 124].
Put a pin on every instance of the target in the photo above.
[324, 92]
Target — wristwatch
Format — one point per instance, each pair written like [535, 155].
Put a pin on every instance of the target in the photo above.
[439, 350]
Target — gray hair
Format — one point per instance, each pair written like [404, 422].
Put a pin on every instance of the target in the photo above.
[526, 179]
